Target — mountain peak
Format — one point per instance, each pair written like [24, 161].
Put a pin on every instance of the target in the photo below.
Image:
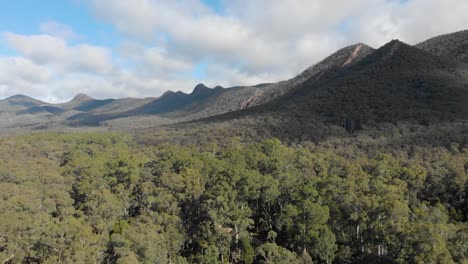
[21, 98]
[397, 48]
[172, 94]
[342, 57]
[19, 102]
[396, 43]
[359, 49]
[201, 85]
[200, 88]
[167, 93]
[81, 97]
[17, 97]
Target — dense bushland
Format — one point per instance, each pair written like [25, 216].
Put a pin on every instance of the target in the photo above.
[102, 198]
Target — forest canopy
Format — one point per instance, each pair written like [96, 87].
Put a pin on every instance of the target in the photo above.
[105, 198]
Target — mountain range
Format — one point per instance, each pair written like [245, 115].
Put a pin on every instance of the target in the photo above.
[354, 86]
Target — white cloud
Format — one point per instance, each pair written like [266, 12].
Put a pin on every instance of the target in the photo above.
[22, 69]
[91, 58]
[289, 20]
[263, 34]
[412, 21]
[46, 49]
[21, 76]
[153, 60]
[227, 76]
[56, 29]
[40, 48]
[51, 69]
[18, 74]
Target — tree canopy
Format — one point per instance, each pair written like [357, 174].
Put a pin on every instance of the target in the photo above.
[103, 198]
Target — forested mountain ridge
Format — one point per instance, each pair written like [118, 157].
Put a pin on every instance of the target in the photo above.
[342, 58]
[453, 46]
[395, 82]
[425, 88]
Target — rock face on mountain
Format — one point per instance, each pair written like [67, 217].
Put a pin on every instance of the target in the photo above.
[453, 46]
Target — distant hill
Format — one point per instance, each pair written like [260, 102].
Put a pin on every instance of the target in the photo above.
[179, 101]
[18, 102]
[176, 104]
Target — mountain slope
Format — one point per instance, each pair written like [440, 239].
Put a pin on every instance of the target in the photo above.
[394, 83]
[242, 97]
[353, 86]
[453, 46]
[344, 57]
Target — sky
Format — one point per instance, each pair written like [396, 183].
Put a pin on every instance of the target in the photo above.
[52, 50]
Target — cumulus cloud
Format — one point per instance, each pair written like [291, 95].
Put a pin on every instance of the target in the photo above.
[411, 21]
[51, 69]
[21, 74]
[283, 20]
[229, 76]
[266, 37]
[46, 49]
[56, 29]
[23, 69]
[245, 42]
[40, 48]
[153, 60]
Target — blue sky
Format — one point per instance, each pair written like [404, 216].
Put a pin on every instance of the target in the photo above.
[54, 49]
[216, 5]
[26, 16]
